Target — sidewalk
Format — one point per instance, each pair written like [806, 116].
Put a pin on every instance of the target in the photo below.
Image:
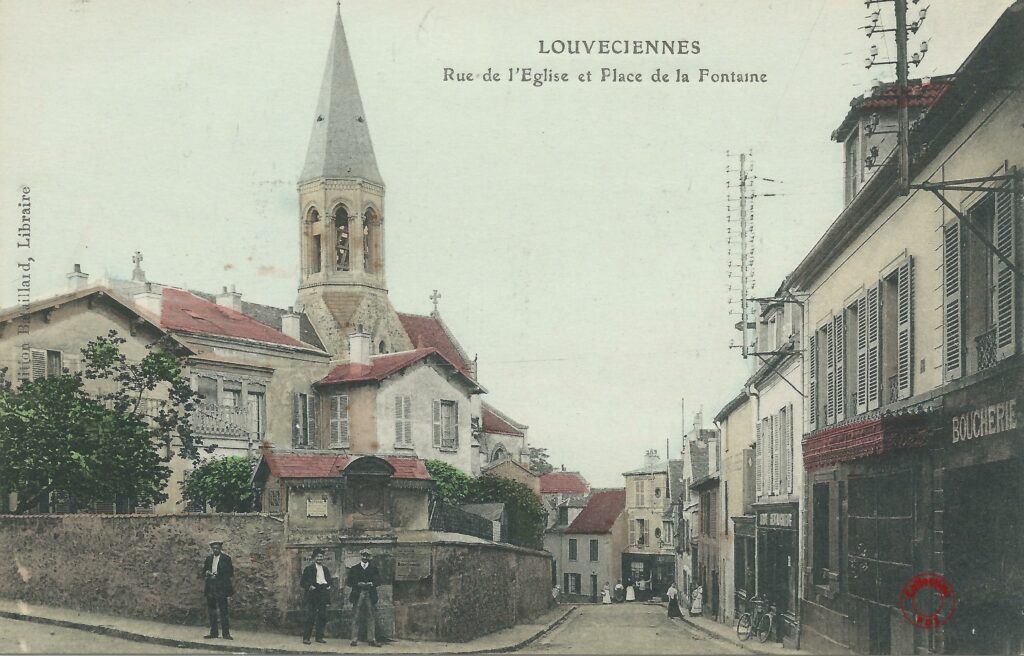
[727, 632]
[249, 641]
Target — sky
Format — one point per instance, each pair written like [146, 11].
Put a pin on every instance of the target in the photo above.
[577, 231]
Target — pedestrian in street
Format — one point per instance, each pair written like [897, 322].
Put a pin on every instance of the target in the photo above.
[554, 593]
[630, 592]
[606, 594]
[620, 592]
[363, 579]
[316, 589]
[697, 605]
[218, 575]
[673, 601]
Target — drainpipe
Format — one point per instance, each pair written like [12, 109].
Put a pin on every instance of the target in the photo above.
[752, 392]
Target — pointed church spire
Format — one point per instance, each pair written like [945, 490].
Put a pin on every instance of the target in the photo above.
[339, 146]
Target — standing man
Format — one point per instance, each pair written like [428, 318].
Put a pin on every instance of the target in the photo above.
[316, 587]
[363, 578]
[218, 573]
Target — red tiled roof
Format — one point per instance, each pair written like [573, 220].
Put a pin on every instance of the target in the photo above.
[493, 423]
[185, 312]
[600, 513]
[918, 95]
[313, 465]
[382, 366]
[564, 483]
[427, 332]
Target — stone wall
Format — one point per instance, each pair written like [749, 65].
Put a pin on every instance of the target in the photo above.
[145, 565]
[452, 519]
[475, 589]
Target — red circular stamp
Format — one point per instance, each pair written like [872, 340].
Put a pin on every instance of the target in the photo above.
[927, 600]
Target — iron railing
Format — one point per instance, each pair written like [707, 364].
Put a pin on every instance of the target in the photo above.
[985, 344]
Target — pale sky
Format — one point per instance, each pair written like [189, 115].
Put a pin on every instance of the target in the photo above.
[576, 231]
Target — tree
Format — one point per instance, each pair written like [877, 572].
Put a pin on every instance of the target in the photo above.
[539, 464]
[224, 483]
[450, 482]
[56, 437]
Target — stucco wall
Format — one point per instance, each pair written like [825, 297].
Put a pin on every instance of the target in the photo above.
[145, 566]
[475, 590]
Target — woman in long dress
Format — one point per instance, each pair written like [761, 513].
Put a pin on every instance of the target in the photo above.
[630, 592]
[606, 595]
[697, 607]
[673, 601]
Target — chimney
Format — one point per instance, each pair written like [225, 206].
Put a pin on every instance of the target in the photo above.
[230, 299]
[149, 300]
[651, 458]
[359, 347]
[77, 279]
[290, 322]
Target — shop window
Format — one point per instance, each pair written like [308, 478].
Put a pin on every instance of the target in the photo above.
[593, 551]
[880, 522]
[821, 532]
[572, 549]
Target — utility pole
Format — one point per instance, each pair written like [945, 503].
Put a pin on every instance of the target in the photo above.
[743, 256]
[902, 72]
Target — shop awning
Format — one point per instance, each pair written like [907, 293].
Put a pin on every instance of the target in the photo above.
[865, 439]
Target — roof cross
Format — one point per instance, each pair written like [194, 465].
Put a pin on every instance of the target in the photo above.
[434, 297]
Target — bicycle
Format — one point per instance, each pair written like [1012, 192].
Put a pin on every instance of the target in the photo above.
[759, 622]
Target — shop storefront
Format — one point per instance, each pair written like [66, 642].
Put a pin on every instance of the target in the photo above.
[744, 560]
[980, 469]
[777, 564]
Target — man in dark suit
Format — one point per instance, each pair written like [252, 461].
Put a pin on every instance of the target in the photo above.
[218, 574]
[316, 587]
[363, 578]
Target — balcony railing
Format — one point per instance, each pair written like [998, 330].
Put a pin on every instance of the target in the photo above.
[985, 344]
[214, 420]
[894, 388]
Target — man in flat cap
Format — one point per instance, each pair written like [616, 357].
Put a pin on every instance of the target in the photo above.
[316, 588]
[218, 574]
[363, 578]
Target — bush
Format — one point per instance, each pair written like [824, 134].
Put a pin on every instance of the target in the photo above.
[224, 483]
[450, 482]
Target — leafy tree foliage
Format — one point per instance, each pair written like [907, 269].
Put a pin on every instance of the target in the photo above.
[56, 436]
[539, 464]
[450, 482]
[224, 483]
[526, 514]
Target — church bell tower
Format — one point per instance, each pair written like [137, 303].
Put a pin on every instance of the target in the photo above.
[342, 285]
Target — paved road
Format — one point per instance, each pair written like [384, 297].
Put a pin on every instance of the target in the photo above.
[17, 637]
[627, 628]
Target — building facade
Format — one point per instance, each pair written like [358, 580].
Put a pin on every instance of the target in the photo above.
[912, 444]
[589, 550]
[650, 550]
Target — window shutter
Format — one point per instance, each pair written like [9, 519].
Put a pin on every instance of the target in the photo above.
[783, 453]
[312, 418]
[776, 471]
[862, 355]
[632, 532]
[38, 368]
[339, 421]
[839, 331]
[874, 349]
[952, 318]
[904, 329]
[403, 420]
[437, 423]
[1003, 278]
[296, 420]
[790, 449]
[759, 459]
[830, 374]
[407, 433]
[812, 382]
[455, 426]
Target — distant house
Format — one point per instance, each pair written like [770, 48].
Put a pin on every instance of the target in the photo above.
[513, 470]
[587, 553]
[493, 512]
[557, 487]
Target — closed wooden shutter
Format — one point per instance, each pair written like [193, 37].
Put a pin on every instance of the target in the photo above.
[839, 337]
[455, 426]
[830, 373]
[403, 420]
[339, 421]
[952, 314]
[783, 453]
[38, 367]
[759, 459]
[296, 420]
[812, 381]
[904, 329]
[862, 354]
[437, 423]
[774, 428]
[790, 449]
[632, 532]
[1003, 277]
[313, 419]
[874, 373]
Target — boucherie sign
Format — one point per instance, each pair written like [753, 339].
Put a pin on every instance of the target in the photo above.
[984, 421]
